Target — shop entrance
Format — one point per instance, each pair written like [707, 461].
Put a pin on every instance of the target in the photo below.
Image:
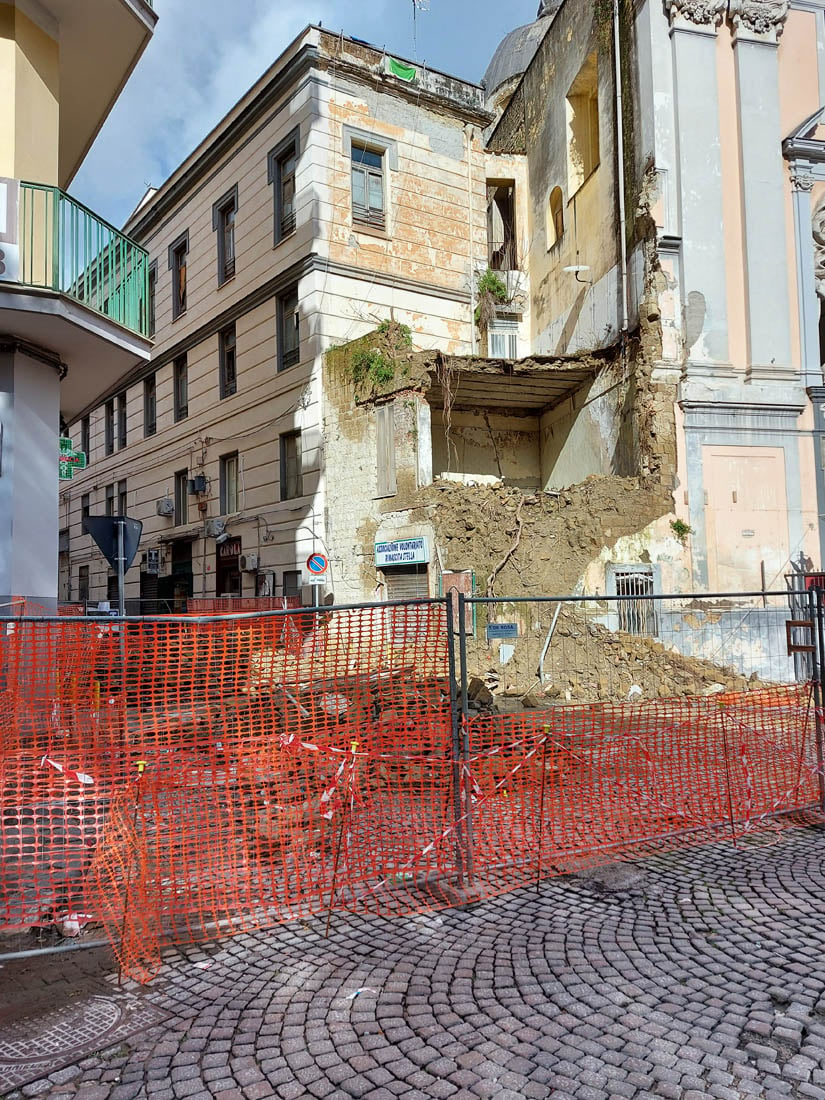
[227, 569]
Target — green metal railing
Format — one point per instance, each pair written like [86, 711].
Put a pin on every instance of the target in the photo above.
[66, 248]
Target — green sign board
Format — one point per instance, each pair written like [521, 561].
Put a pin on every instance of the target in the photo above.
[69, 459]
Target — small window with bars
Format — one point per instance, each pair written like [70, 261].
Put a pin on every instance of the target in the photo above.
[502, 340]
[636, 612]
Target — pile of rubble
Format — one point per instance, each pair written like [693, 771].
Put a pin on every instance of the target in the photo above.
[586, 663]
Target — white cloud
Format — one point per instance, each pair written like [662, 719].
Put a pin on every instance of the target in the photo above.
[200, 62]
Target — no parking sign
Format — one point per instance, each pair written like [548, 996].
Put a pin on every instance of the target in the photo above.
[318, 566]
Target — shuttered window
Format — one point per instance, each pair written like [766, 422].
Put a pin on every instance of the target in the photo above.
[367, 186]
[407, 582]
[385, 440]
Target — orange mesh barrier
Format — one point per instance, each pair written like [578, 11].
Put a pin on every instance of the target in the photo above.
[179, 778]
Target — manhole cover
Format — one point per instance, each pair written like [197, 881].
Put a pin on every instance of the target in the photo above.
[38, 1043]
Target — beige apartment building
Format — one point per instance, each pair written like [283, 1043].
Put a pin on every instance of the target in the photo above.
[343, 190]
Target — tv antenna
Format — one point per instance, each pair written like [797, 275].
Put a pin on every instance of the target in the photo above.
[418, 5]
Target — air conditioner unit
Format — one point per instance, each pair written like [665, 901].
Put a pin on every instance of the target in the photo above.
[197, 485]
[248, 563]
[165, 506]
[214, 527]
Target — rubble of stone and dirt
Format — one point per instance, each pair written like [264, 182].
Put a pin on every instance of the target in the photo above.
[539, 543]
[586, 662]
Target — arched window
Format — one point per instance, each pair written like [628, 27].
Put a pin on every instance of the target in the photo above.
[555, 217]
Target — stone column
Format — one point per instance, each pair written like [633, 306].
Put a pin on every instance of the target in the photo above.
[694, 42]
[757, 26]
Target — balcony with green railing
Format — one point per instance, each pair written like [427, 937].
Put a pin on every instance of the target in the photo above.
[66, 248]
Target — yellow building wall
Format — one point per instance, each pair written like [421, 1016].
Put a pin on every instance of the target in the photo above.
[30, 98]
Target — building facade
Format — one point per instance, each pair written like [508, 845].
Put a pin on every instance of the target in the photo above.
[345, 189]
[371, 278]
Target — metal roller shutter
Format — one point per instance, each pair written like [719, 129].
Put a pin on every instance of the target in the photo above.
[407, 582]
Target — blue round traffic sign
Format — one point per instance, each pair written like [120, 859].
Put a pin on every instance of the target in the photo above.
[317, 564]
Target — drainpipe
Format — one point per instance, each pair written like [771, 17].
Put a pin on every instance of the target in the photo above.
[620, 159]
[468, 133]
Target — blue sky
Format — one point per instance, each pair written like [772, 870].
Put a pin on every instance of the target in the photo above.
[205, 55]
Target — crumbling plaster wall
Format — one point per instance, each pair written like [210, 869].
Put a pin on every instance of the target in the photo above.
[356, 516]
[488, 445]
[568, 314]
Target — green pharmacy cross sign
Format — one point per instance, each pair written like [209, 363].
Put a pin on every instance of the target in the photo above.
[69, 459]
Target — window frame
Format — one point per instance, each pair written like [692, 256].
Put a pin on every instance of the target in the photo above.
[85, 506]
[386, 484]
[367, 218]
[109, 500]
[288, 357]
[83, 582]
[582, 126]
[150, 402]
[284, 441]
[225, 501]
[554, 227]
[180, 370]
[109, 427]
[226, 206]
[122, 497]
[177, 249]
[292, 579]
[181, 517]
[388, 150]
[86, 437]
[121, 421]
[151, 297]
[290, 145]
[227, 342]
[508, 331]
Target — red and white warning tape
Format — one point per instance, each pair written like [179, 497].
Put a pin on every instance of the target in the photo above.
[68, 773]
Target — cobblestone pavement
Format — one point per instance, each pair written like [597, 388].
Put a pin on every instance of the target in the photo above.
[693, 974]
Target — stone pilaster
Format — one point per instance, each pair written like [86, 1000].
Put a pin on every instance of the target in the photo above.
[693, 32]
[757, 26]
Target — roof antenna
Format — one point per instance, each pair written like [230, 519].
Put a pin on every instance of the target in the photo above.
[418, 5]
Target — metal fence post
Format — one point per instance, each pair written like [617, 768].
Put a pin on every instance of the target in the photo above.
[465, 733]
[455, 731]
[817, 623]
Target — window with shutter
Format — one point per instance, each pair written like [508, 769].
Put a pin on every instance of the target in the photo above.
[407, 582]
[367, 186]
[385, 440]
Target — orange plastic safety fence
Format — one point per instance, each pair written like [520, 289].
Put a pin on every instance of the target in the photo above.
[178, 779]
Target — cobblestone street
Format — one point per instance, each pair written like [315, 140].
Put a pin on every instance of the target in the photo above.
[692, 974]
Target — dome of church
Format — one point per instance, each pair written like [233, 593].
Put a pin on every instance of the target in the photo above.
[517, 49]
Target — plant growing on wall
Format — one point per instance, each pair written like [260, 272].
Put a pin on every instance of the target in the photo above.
[491, 292]
[681, 530]
[378, 364]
